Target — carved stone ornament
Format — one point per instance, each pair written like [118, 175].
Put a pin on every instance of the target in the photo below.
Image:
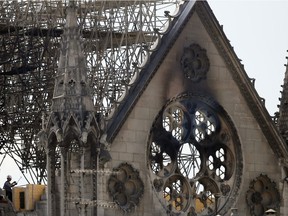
[195, 63]
[262, 195]
[125, 187]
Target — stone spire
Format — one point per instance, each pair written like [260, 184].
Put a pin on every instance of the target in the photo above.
[283, 107]
[71, 91]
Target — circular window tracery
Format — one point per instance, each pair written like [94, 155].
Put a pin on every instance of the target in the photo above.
[195, 63]
[125, 187]
[176, 193]
[193, 152]
[204, 125]
[162, 164]
[173, 121]
[189, 160]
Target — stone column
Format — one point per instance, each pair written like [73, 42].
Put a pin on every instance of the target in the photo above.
[285, 198]
[63, 190]
[51, 197]
[82, 183]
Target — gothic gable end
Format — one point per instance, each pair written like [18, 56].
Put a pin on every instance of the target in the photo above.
[246, 86]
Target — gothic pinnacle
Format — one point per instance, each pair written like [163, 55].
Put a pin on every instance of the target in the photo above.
[71, 86]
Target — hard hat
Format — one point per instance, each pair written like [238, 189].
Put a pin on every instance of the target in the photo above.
[9, 176]
[270, 211]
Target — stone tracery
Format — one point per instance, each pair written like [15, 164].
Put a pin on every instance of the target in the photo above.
[262, 195]
[125, 187]
[195, 63]
[193, 157]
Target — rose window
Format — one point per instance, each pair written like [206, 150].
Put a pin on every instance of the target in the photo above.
[194, 157]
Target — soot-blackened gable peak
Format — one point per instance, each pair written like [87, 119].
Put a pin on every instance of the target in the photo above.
[283, 108]
[71, 91]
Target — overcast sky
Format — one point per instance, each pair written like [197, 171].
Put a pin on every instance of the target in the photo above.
[258, 31]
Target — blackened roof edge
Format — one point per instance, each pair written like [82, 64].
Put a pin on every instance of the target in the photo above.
[232, 62]
[248, 91]
[149, 70]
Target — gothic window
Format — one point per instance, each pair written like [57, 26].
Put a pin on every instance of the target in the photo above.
[194, 157]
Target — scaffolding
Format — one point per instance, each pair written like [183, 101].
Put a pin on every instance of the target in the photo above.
[117, 39]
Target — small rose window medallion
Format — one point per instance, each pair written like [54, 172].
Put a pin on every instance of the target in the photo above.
[195, 63]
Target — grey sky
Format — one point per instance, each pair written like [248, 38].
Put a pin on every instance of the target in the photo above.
[258, 32]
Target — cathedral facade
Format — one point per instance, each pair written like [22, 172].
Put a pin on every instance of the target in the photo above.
[196, 136]
[190, 136]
